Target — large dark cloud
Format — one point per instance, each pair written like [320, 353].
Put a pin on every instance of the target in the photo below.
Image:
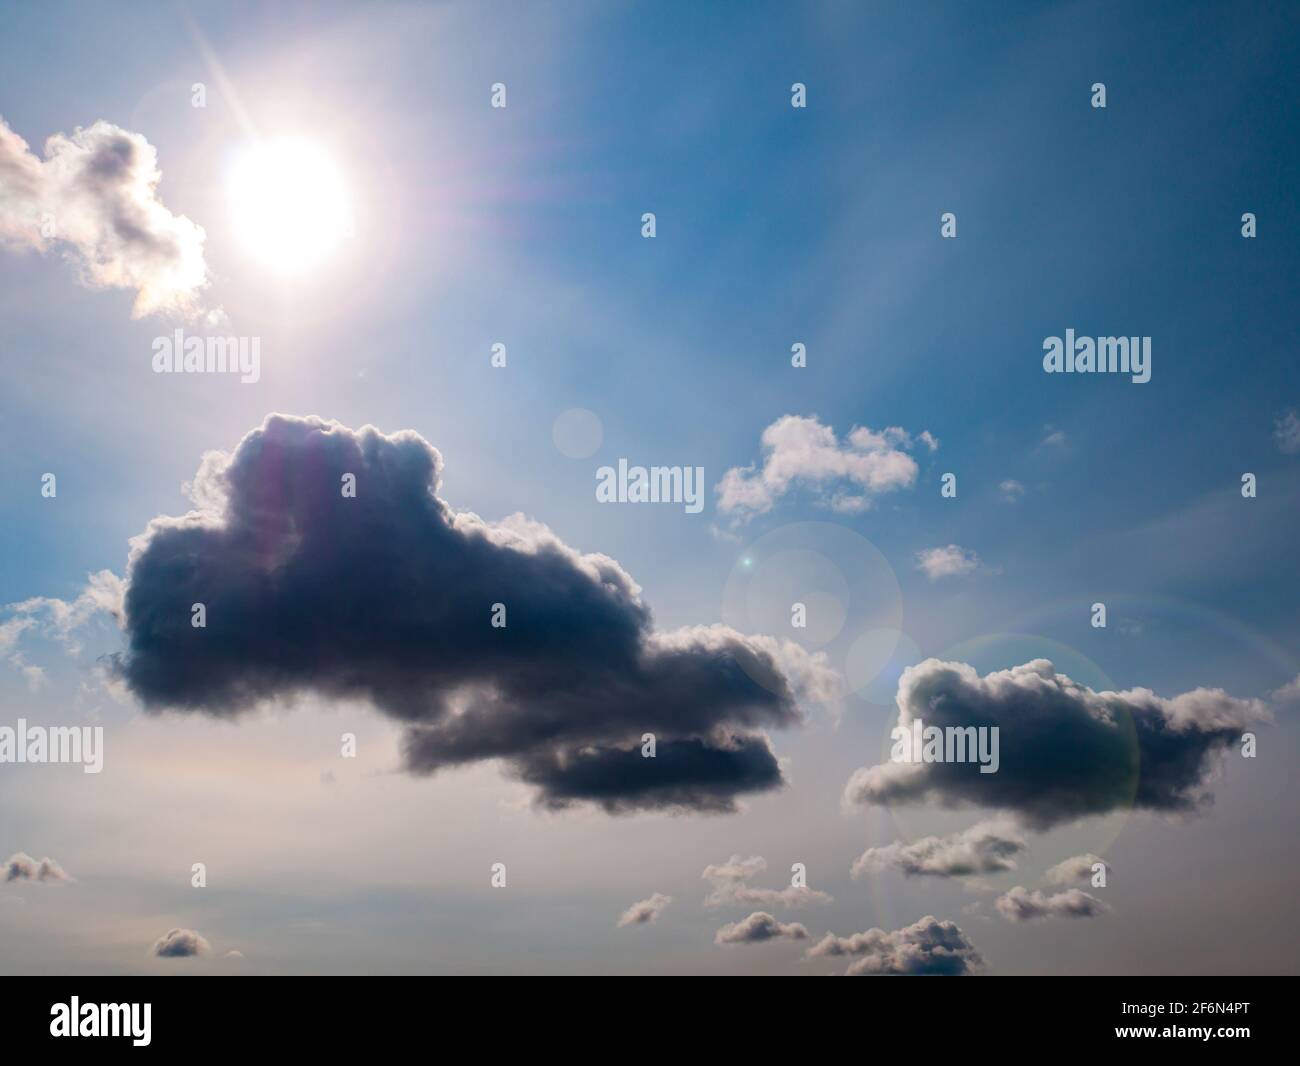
[928, 947]
[388, 596]
[1065, 751]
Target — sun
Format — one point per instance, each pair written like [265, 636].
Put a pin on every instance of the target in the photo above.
[290, 206]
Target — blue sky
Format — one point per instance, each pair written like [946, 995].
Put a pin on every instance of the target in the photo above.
[775, 225]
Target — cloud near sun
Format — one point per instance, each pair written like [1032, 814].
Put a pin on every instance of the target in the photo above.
[94, 198]
[388, 596]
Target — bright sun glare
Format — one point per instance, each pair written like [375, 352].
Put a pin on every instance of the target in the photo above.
[289, 205]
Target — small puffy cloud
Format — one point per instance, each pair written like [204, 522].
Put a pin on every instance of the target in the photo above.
[929, 947]
[1075, 868]
[95, 198]
[730, 881]
[950, 561]
[1021, 905]
[757, 928]
[1065, 751]
[987, 847]
[645, 911]
[180, 944]
[1286, 433]
[801, 451]
[390, 596]
[22, 867]
[1011, 490]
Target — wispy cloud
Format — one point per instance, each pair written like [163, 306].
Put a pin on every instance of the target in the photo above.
[1286, 433]
[1021, 905]
[1075, 868]
[730, 881]
[645, 911]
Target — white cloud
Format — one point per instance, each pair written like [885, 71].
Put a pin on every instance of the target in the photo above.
[1075, 868]
[59, 619]
[950, 561]
[104, 592]
[987, 847]
[645, 911]
[1021, 905]
[94, 197]
[730, 881]
[802, 451]
[1011, 490]
[926, 947]
[758, 927]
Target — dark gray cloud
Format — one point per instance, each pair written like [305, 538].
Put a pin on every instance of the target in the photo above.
[1021, 905]
[757, 928]
[389, 597]
[22, 867]
[94, 196]
[645, 911]
[929, 947]
[731, 887]
[180, 944]
[1066, 751]
[988, 847]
